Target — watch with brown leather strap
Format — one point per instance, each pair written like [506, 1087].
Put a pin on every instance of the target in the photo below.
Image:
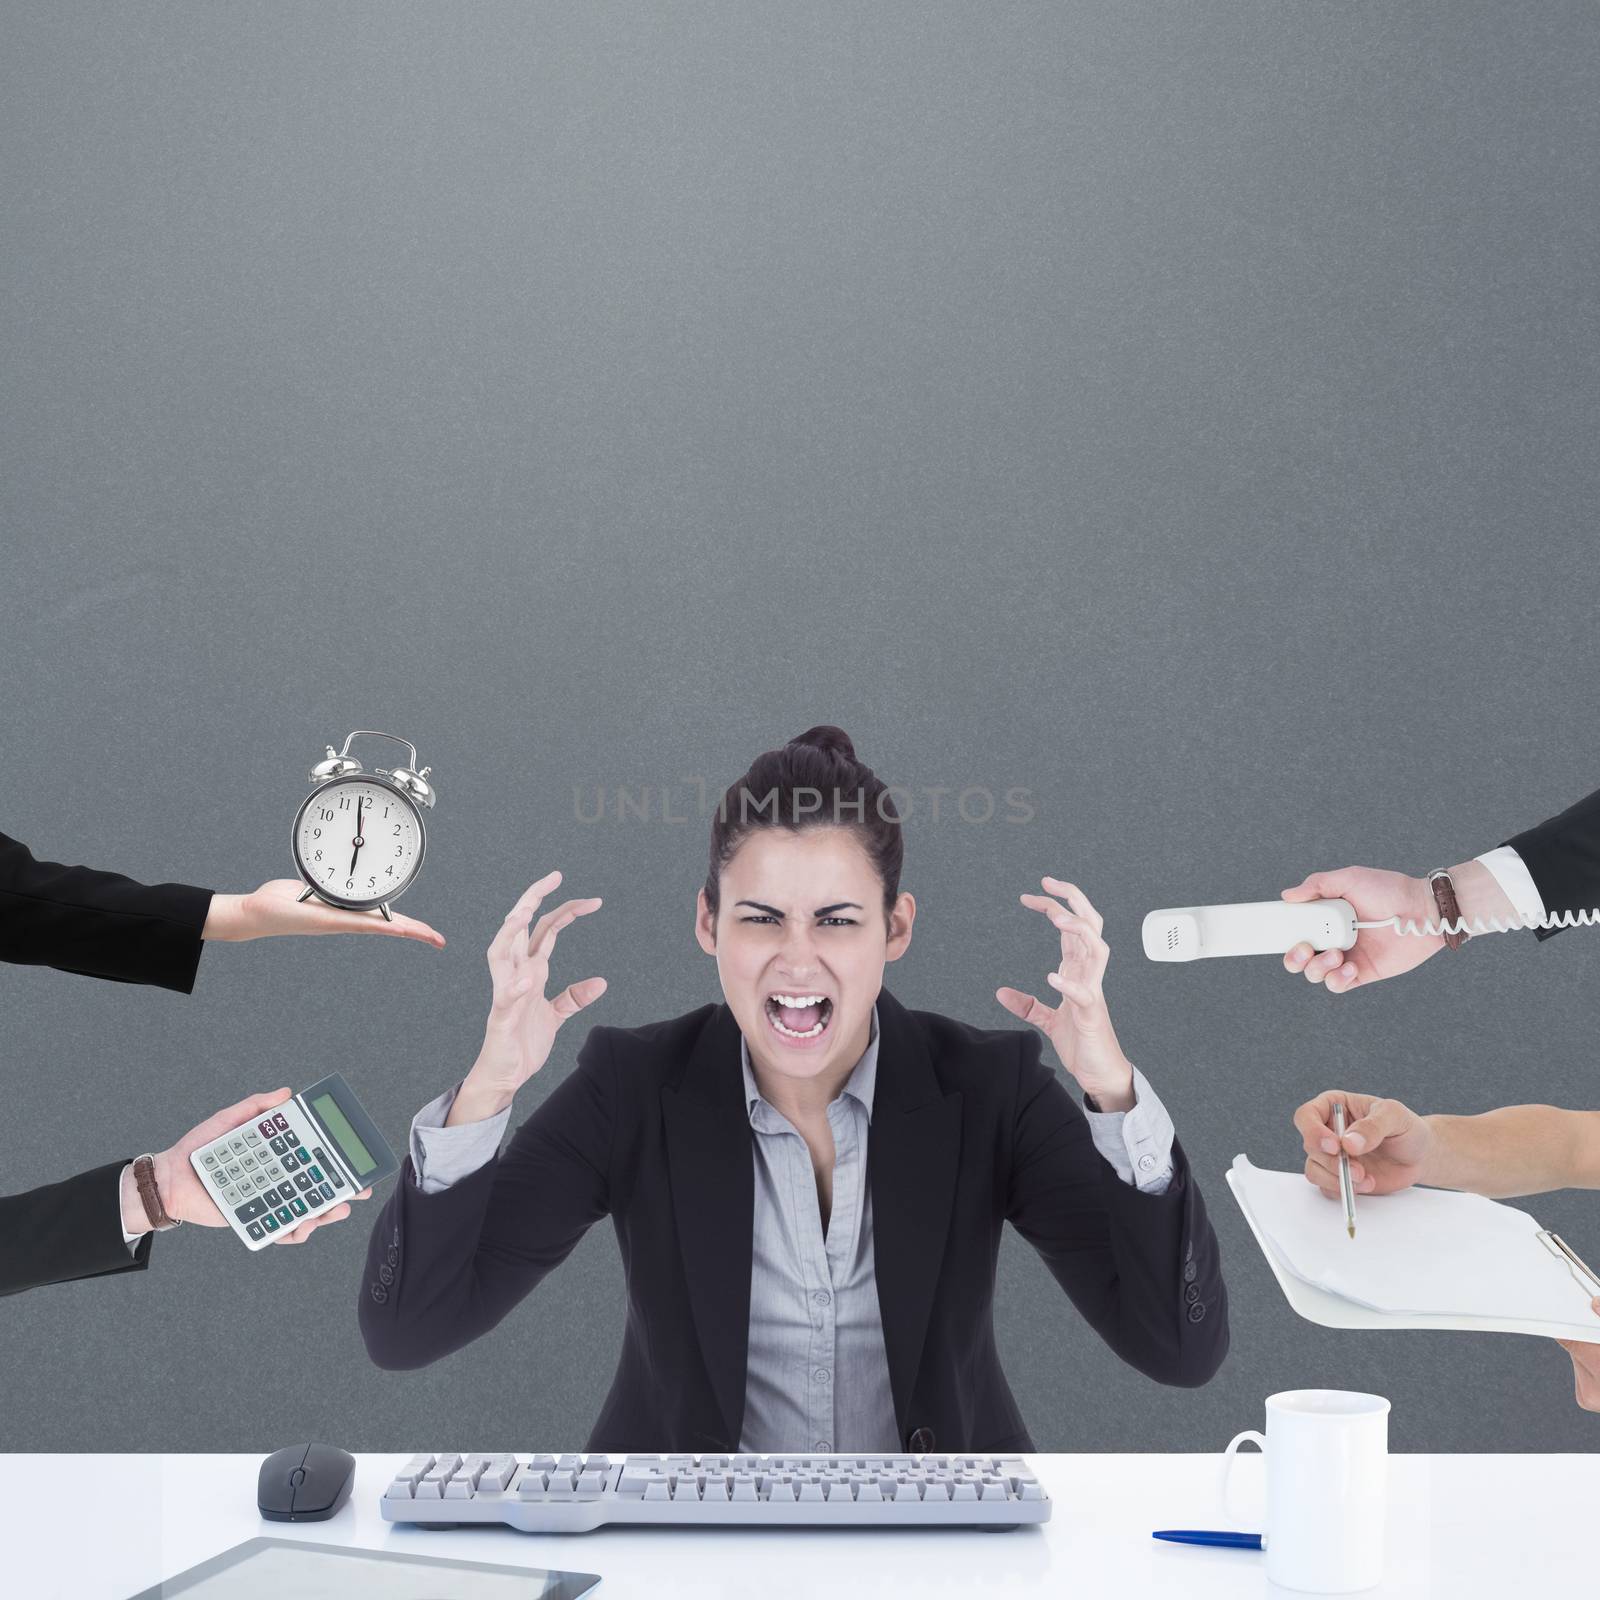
[1444, 896]
[144, 1176]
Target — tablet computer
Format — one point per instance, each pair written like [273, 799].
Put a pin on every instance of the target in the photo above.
[291, 1569]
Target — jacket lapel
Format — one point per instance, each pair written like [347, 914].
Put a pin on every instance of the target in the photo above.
[713, 1201]
[912, 1156]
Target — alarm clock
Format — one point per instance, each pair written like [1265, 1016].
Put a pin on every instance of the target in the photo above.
[358, 839]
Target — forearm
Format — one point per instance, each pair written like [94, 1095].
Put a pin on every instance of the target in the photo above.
[1478, 893]
[476, 1102]
[1515, 1150]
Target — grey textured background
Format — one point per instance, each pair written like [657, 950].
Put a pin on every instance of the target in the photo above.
[1185, 412]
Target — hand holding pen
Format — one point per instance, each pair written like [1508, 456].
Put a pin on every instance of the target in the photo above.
[1386, 1146]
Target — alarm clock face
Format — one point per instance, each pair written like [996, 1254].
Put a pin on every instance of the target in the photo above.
[358, 842]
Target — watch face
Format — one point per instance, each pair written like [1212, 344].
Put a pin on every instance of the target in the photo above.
[358, 842]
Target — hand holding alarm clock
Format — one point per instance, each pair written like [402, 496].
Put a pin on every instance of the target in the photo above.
[358, 841]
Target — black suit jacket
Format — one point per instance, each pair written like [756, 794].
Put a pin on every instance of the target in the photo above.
[970, 1129]
[98, 923]
[1563, 858]
[71, 1229]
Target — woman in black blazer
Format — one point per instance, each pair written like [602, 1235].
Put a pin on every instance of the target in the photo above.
[808, 1193]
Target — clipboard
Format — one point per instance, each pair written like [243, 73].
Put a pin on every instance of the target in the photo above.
[1321, 1304]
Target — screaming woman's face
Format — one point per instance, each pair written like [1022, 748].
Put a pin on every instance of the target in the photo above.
[801, 941]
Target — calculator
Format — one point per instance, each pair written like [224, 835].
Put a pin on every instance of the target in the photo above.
[318, 1148]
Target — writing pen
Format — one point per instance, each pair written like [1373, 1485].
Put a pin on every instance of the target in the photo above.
[1347, 1190]
[1230, 1541]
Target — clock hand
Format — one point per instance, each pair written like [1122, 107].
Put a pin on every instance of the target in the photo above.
[358, 840]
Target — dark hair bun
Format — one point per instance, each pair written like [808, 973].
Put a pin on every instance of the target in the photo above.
[827, 737]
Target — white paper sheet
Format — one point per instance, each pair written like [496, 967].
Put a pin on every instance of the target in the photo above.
[1422, 1251]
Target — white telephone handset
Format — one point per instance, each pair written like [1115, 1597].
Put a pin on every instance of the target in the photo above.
[1249, 928]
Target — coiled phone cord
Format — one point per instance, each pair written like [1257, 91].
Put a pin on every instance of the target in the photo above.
[1478, 925]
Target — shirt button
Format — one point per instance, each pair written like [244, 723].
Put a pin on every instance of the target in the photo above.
[386, 1276]
[379, 1293]
[1146, 1163]
[822, 1297]
[1197, 1312]
[1192, 1293]
[1190, 1272]
[821, 1374]
[824, 1445]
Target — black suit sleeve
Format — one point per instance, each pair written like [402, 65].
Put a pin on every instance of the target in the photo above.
[67, 1230]
[444, 1268]
[99, 923]
[1563, 858]
[1144, 1269]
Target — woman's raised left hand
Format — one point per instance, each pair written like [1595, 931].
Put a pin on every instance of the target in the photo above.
[1080, 1027]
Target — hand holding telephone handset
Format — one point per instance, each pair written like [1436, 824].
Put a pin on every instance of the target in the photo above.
[523, 1021]
[1349, 927]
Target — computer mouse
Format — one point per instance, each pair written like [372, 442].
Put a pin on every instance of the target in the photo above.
[304, 1483]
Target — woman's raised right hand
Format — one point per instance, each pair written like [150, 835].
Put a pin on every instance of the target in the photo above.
[523, 1020]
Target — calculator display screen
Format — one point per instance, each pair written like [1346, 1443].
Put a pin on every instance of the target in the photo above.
[361, 1159]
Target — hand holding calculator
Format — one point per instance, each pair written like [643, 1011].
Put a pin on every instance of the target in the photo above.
[292, 1162]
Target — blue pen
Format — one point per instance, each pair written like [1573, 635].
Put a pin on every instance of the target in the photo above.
[1232, 1541]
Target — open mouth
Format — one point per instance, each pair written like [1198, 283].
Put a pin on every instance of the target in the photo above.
[800, 1018]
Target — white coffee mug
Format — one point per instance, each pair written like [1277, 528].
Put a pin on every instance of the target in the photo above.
[1327, 1456]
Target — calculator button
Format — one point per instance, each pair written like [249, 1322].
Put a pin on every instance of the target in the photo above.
[313, 1199]
[280, 1122]
[266, 1128]
[248, 1163]
[284, 1215]
[298, 1206]
[316, 1174]
[291, 1138]
[338, 1182]
[325, 1192]
[270, 1223]
[302, 1181]
[319, 1154]
[208, 1159]
[255, 1231]
[234, 1169]
[276, 1170]
[290, 1162]
[250, 1210]
[278, 1146]
[251, 1136]
[237, 1146]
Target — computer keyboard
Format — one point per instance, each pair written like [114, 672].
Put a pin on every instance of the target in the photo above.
[577, 1493]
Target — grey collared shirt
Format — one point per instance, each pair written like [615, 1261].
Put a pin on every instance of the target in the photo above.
[816, 1376]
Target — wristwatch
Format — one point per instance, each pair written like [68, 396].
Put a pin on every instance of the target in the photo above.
[144, 1175]
[1444, 896]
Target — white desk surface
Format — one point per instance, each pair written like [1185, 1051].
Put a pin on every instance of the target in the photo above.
[103, 1527]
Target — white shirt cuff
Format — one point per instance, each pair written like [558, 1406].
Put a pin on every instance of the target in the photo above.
[441, 1156]
[1510, 871]
[129, 1239]
[1137, 1142]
